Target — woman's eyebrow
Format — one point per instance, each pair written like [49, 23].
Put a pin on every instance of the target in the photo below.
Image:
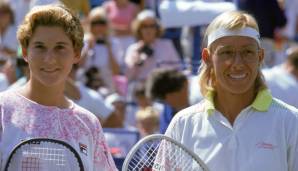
[62, 43]
[58, 43]
[37, 43]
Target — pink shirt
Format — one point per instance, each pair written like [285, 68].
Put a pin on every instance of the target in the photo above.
[164, 55]
[22, 119]
[120, 18]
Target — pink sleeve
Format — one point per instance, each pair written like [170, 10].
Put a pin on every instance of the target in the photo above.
[102, 157]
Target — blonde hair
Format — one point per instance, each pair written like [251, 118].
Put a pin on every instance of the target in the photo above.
[137, 25]
[232, 20]
[148, 113]
[51, 15]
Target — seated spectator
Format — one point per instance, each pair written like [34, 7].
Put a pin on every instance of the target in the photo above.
[8, 42]
[282, 79]
[8, 39]
[169, 87]
[149, 51]
[101, 51]
[121, 13]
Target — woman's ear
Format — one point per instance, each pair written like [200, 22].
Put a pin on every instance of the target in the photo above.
[25, 54]
[261, 55]
[206, 57]
[77, 56]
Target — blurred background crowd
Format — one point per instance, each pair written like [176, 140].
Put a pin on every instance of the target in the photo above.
[140, 58]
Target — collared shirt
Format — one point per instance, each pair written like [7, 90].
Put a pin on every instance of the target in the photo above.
[264, 135]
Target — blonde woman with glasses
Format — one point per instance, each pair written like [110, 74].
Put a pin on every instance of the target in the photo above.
[238, 125]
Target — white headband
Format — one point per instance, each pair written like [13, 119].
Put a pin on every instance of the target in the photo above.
[247, 32]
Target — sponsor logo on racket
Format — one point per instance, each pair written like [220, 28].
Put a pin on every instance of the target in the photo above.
[83, 148]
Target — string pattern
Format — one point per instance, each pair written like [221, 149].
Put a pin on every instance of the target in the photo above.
[43, 156]
[161, 155]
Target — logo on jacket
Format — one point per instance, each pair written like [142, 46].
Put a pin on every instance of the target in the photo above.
[265, 145]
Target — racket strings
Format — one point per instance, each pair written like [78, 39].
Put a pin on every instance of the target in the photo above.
[30, 163]
[50, 154]
[145, 157]
[182, 163]
[151, 151]
[172, 157]
[43, 156]
[179, 159]
[162, 155]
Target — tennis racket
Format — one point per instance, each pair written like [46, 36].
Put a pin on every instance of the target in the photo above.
[43, 154]
[161, 153]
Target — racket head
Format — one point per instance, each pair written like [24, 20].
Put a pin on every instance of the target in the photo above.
[161, 153]
[43, 154]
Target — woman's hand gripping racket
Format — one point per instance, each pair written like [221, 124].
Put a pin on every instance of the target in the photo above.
[161, 153]
[43, 154]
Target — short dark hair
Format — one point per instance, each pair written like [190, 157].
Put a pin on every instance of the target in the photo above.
[5, 7]
[163, 81]
[139, 89]
[293, 56]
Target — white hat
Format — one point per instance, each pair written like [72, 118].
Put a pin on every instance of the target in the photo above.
[146, 14]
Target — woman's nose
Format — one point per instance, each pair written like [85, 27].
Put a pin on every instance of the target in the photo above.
[238, 57]
[49, 56]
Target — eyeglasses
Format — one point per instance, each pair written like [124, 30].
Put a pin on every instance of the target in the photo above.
[98, 22]
[149, 26]
[247, 54]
